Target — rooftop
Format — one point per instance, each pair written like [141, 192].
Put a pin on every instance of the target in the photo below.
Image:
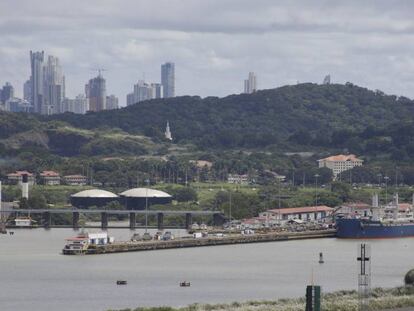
[304, 209]
[94, 193]
[341, 157]
[144, 192]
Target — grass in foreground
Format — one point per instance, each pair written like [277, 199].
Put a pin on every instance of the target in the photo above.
[381, 299]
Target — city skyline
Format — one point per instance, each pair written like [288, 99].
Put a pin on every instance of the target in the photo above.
[214, 45]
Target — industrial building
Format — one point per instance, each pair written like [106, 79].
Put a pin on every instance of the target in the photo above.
[92, 197]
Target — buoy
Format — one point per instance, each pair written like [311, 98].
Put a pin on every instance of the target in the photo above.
[321, 258]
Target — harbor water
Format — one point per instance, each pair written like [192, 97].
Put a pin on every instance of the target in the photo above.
[35, 276]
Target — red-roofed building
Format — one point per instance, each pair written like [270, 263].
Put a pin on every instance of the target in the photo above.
[75, 180]
[17, 177]
[340, 163]
[50, 178]
[303, 213]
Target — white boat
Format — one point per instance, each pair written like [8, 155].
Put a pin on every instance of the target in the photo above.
[81, 243]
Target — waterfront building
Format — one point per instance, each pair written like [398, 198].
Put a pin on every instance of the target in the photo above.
[18, 105]
[301, 213]
[36, 61]
[168, 79]
[53, 87]
[78, 105]
[168, 132]
[75, 180]
[95, 92]
[112, 102]
[340, 163]
[238, 179]
[7, 92]
[17, 177]
[50, 178]
[250, 85]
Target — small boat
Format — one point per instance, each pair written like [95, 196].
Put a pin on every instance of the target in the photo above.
[185, 284]
[321, 258]
[121, 282]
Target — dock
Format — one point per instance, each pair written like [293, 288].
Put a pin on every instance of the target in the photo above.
[120, 247]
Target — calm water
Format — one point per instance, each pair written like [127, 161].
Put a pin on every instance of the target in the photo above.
[34, 276]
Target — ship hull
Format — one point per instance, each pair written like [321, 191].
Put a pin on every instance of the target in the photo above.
[367, 229]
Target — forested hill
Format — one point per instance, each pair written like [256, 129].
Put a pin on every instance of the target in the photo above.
[298, 117]
[303, 114]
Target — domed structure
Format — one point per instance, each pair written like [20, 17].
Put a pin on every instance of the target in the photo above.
[92, 197]
[136, 198]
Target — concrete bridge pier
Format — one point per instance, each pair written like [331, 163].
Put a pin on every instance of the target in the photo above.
[160, 221]
[104, 221]
[47, 219]
[132, 221]
[188, 221]
[75, 220]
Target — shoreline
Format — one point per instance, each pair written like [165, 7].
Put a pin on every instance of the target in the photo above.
[381, 299]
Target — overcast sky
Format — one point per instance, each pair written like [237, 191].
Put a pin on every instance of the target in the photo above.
[213, 43]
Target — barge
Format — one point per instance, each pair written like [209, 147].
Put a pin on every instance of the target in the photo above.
[134, 246]
[84, 241]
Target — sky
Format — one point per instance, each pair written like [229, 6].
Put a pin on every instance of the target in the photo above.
[214, 43]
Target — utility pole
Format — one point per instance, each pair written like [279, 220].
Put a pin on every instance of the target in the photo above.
[386, 178]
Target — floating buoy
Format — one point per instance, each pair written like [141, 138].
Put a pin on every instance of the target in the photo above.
[321, 258]
[185, 284]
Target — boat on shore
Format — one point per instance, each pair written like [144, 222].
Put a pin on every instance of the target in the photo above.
[24, 222]
[83, 241]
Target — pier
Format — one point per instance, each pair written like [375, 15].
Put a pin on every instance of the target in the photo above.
[119, 247]
[46, 215]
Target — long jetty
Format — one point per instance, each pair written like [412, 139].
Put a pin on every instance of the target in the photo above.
[120, 247]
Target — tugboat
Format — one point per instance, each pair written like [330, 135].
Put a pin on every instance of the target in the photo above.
[79, 245]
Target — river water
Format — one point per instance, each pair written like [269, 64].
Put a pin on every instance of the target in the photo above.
[35, 276]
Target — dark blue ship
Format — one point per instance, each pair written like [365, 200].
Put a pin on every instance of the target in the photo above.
[353, 228]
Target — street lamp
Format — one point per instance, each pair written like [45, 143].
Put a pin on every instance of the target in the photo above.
[316, 189]
[146, 205]
[386, 178]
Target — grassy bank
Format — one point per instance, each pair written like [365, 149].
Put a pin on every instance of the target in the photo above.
[381, 299]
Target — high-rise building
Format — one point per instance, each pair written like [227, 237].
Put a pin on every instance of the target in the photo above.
[327, 80]
[144, 91]
[112, 102]
[168, 79]
[27, 90]
[77, 105]
[96, 93]
[53, 86]
[7, 92]
[18, 105]
[36, 62]
[250, 85]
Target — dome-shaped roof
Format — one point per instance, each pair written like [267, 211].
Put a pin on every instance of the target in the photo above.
[144, 192]
[94, 193]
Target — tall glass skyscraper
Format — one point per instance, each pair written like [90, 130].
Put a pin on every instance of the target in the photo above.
[36, 62]
[168, 79]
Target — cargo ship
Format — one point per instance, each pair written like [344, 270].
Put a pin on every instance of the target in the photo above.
[384, 222]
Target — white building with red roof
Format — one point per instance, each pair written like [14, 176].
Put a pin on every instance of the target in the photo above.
[50, 178]
[17, 177]
[303, 213]
[340, 163]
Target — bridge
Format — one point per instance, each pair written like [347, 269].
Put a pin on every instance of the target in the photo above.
[218, 217]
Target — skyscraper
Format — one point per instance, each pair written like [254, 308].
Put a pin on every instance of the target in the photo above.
[53, 86]
[36, 62]
[95, 92]
[168, 79]
[27, 90]
[7, 92]
[112, 102]
[77, 105]
[144, 91]
[250, 85]
[327, 79]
